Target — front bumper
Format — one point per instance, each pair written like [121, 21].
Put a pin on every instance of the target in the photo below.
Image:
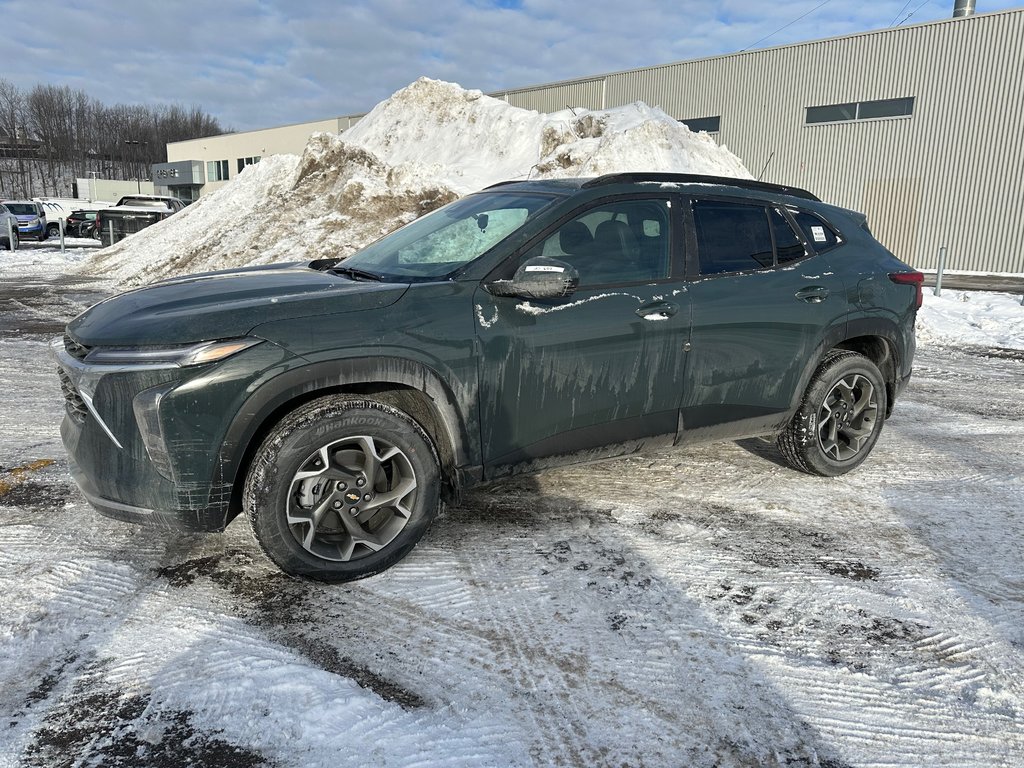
[144, 440]
[35, 230]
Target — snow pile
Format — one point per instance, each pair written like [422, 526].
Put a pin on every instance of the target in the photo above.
[469, 140]
[425, 146]
[971, 318]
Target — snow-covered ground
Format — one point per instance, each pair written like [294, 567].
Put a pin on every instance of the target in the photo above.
[702, 607]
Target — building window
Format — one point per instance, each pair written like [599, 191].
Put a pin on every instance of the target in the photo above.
[217, 170]
[861, 110]
[885, 108]
[244, 161]
[706, 124]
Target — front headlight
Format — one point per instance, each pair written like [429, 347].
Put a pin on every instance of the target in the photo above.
[85, 371]
[177, 357]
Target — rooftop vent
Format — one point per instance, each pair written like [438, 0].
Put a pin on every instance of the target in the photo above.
[963, 8]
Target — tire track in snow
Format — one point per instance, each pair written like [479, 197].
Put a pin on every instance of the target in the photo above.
[919, 697]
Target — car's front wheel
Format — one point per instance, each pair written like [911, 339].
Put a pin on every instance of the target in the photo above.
[840, 418]
[342, 488]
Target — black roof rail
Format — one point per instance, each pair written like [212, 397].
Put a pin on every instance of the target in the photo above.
[696, 178]
[503, 183]
[560, 181]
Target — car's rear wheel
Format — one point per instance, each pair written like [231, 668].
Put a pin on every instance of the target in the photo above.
[53, 230]
[342, 488]
[840, 418]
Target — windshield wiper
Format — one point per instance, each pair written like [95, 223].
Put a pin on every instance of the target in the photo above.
[357, 274]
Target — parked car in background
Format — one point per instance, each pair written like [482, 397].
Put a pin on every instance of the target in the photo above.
[8, 229]
[81, 223]
[132, 214]
[31, 218]
[59, 208]
[534, 323]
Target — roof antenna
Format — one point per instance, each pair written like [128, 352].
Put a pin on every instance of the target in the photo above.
[766, 165]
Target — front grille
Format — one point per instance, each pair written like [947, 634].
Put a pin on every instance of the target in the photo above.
[72, 400]
[76, 350]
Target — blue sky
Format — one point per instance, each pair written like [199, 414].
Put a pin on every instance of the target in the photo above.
[259, 63]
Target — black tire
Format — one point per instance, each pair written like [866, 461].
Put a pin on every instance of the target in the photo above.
[53, 230]
[319, 455]
[840, 417]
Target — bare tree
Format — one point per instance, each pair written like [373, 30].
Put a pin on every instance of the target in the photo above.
[53, 134]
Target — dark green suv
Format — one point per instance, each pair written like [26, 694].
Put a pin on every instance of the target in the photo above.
[530, 324]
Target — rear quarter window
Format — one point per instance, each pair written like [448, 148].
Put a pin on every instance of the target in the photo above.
[819, 233]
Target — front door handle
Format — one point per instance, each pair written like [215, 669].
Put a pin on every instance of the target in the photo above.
[813, 294]
[658, 310]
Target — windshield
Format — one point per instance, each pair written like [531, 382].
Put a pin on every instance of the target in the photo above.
[22, 209]
[443, 241]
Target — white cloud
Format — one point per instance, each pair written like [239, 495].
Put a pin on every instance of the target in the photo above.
[256, 64]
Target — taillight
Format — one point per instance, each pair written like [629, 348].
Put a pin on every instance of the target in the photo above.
[910, 278]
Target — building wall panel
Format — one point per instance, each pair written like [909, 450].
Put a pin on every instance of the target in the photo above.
[587, 94]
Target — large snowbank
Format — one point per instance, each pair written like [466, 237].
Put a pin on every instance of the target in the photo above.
[425, 146]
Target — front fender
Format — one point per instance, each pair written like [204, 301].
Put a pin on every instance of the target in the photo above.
[284, 392]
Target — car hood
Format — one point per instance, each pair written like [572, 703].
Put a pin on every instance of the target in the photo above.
[221, 305]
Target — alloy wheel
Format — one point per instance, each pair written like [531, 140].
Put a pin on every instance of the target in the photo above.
[847, 417]
[351, 498]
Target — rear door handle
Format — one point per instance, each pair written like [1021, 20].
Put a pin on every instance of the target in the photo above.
[658, 310]
[814, 294]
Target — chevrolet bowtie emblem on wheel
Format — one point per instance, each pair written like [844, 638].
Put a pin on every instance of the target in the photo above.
[352, 497]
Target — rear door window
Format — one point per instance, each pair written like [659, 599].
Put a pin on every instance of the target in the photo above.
[732, 237]
[739, 237]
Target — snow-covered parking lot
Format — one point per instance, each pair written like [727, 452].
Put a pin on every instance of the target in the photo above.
[704, 607]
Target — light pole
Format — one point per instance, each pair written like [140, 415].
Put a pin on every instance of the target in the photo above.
[137, 147]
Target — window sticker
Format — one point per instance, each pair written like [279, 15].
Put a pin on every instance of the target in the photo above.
[819, 234]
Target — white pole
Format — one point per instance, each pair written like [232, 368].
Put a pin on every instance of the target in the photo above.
[938, 272]
[61, 228]
[110, 229]
[10, 236]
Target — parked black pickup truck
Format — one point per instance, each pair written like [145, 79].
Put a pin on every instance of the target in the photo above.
[131, 214]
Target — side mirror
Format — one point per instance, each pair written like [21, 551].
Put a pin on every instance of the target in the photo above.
[539, 278]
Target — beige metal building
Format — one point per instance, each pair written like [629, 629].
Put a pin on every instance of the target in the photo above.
[921, 127]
